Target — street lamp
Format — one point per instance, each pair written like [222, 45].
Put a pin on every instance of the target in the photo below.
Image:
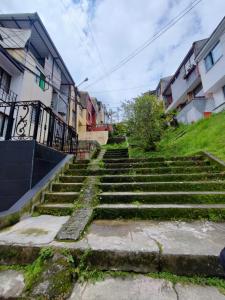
[86, 79]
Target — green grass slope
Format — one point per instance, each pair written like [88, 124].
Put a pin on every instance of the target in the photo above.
[204, 135]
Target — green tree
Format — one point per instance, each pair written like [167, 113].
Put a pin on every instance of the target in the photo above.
[144, 120]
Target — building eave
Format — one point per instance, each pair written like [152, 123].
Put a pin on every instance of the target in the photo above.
[40, 28]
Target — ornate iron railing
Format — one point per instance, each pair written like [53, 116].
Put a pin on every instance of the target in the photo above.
[32, 120]
[7, 96]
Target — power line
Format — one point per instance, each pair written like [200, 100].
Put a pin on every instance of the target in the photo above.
[123, 89]
[149, 41]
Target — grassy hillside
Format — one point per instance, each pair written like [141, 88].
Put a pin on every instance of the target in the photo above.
[206, 134]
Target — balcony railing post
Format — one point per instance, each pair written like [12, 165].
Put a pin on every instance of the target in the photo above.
[50, 130]
[8, 134]
[63, 137]
[37, 111]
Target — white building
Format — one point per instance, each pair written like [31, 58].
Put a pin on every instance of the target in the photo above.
[211, 62]
[43, 75]
[184, 92]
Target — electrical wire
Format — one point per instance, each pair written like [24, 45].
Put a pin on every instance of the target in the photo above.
[148, 42]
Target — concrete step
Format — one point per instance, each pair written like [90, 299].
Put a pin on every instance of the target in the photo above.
[154, 246]
[165, 178]
[125, 245]
[162, 170]
[68, 179]
[164, 186]
[106, 156]
[59, 209]
[78, 166]
[161, 211]
[66, 187]
[163, 197]
[84, 161]
[63, 197]
[155, 159]
[116, 150]
[158, 164]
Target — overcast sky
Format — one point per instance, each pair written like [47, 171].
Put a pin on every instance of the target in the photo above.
[95, 35]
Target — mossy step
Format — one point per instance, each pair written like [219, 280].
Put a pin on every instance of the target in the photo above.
[77, 179]
[115, 156]
[163, 197]
[66, 187]
[214, 212]
[164, 186]
[85, 161]
[165, 178]
[78, 166]
[162, 170]
[64, 209]
[158, 164]
[116, 150]
[62, 197]
[155, 159]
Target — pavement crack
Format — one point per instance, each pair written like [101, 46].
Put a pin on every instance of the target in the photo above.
[160, 247]
[176, 292]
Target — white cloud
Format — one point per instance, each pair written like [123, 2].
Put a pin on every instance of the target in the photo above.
[119, 27]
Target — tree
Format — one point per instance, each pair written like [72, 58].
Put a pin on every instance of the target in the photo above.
[144, 120]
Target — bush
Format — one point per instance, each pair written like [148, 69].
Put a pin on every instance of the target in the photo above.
[144, 120]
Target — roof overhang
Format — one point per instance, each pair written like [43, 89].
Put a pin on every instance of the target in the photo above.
[11, 65]
[39, 39]
[212, 40]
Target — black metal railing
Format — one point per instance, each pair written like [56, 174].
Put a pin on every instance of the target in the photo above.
[32, 120]
[9, 96]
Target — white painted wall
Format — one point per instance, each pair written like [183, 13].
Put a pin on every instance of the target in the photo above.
[194, 110]
[214, 79]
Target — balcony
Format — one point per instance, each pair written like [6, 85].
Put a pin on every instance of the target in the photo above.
[100, 127]
[194, 110]
[32, 120]
[7, 96]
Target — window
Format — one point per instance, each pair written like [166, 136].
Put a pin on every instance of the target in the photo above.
[5, 80]
[213, 56]
[40, 79]
[223, 90]
[189, 64]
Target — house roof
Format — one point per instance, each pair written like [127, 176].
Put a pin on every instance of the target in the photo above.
[212, 40]
[39, 39]
[195, 48]
[164, 81]
[11, 59]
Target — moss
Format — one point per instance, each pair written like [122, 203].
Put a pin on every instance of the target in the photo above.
[115, 146]
[167, 187]
[204, 281]
[214, 214]
[54, 211]
[33, 271]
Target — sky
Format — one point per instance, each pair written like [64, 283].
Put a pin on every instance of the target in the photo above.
[93, 36]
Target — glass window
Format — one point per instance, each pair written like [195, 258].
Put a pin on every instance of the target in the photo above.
[213, 56]
[40, 79]
[216, 53]
[224, 90]
[5, 80]
[208, 62]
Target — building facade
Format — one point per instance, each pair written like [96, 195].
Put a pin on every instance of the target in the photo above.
[211, 62]
[184, 91]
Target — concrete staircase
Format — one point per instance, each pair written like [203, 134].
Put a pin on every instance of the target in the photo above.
[61, 200]
[161, 188]
[158, 214]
